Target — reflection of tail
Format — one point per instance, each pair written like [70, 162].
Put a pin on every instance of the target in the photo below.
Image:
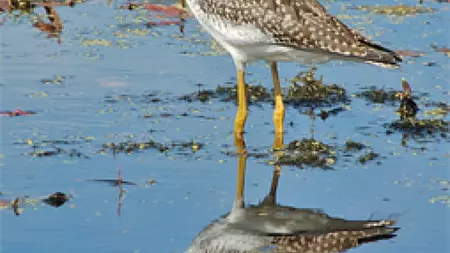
[337, 224]
[365, 230]
[375, 234]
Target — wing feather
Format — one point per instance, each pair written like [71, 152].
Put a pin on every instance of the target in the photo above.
[301, 24]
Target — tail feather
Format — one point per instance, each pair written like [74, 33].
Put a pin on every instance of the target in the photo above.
[349, 225]
[381, 56]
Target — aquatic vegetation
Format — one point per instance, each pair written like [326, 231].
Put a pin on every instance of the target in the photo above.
[26, 7]
[129, 147]
[324, 114]
[397, 10]
[255, 94]
[145, 98]
[56, 80]
[43, 147]
[441, 199]
[378, 96]
[167, 11]
[306, 90]
[308, 153]
[419, 127]
[353, 146]
[441, 109]
[19, 204]
[368, 157]
[73, 153]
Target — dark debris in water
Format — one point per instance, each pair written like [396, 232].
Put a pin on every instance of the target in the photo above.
[67, 140]
[18, 204]
[308, 153]
[181, 115]
[419, 127]
[112, 182]
[368, 157]
[56, 80]
[130, 147]
[146, 98]
[378, 96]
[72, 153]
[325, 114]
[255, 94]
[312, 153]
[16, 113]
[444, 50]
[353, 146]
[306, 90]
[408, 107]
[50, 148]
[56, 199]
[382, 96]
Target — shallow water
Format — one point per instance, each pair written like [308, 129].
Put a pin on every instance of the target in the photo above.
[107, 94]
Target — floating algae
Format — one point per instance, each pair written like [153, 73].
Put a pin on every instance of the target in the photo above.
[378, 96]
[306, 90]
[308, 152]
[396, 10]
[130, 147]
[255, 94]
[353, 146]
[368, 157]
[419, 127]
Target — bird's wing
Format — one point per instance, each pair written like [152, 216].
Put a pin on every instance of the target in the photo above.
[302, 24]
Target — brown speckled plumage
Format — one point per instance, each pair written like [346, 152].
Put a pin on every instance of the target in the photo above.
[300, 24]
[272, 228]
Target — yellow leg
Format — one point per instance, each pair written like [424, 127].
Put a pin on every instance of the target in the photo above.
[241, 115]
[278, 114]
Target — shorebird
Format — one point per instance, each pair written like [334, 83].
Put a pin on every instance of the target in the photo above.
[282, 30]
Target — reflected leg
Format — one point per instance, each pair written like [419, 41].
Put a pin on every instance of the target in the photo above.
[240, 183]
[271, 197]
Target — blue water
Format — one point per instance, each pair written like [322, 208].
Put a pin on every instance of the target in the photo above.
[191, 190]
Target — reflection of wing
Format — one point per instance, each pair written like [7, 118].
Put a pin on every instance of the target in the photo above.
[286, 229]
[283, 220]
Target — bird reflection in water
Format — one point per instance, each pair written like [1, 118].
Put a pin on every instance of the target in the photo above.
[270, 227]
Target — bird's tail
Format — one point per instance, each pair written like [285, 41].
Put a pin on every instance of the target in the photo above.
[381, 56]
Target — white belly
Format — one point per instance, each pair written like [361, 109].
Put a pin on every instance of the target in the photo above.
[246, 43]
